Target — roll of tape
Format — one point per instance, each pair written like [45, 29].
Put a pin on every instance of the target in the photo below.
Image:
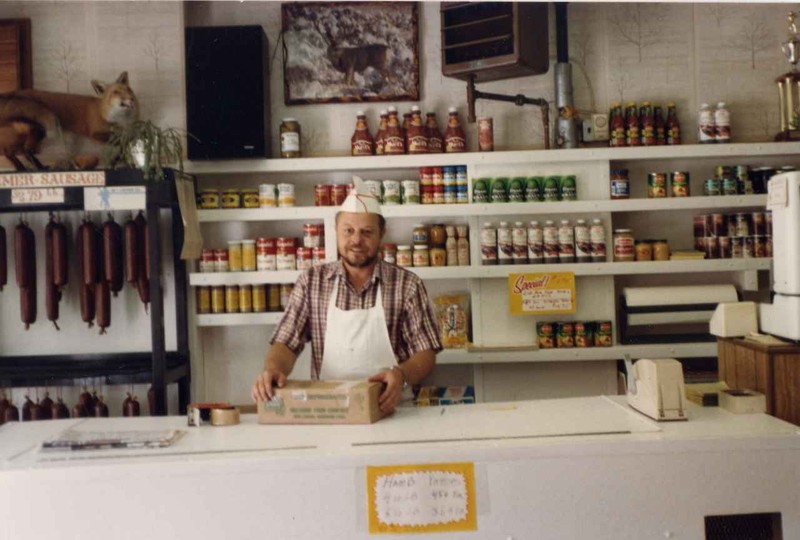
[225, 417]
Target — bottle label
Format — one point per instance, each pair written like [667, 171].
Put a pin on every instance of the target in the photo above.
[418, 144]
[455, 144]
[394, 144]
[290, 142]
[362, 147]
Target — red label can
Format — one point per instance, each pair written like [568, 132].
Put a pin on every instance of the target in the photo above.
[286, 253]
[304, 258]
[426, 176]
[322, 195]
[221, 260]
[317, 255]
[312, 235]
[339, 193]
[266, 254]
[207, 260]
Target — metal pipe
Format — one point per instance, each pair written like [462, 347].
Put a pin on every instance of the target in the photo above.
[562, 36]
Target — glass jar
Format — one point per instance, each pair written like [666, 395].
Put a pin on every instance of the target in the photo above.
[421, 256]
[438, 256]
[660, 250]
[234, 256]
[623, 245]
[620, 184]
[290, 138]
[643, 250]
[248, 255]
[438, 235]
[250, 198]
[404, 257]
[390, 253]
[420, 235]
[245, 299]
[231, 299]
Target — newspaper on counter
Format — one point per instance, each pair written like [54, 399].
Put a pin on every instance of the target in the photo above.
[71, 439]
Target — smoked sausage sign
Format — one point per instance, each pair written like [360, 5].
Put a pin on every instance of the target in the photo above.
[541, 294]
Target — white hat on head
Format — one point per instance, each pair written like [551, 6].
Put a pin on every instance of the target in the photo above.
[361, 200]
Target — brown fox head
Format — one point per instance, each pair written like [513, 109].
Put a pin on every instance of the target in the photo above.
[118, 102]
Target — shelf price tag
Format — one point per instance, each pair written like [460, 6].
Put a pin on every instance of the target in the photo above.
[542, 294]
[421, 498]
[25, 196]
[115, 198]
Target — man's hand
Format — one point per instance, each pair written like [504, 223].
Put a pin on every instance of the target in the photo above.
[263, 387]
[390, 397]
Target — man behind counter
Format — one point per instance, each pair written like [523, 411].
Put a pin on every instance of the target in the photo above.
[365, 318]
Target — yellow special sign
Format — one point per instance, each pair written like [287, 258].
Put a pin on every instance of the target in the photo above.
[437, 497]
[541, 294]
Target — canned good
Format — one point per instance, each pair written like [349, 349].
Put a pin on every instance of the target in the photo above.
[203, 296]
[480, 190]
[768, 244]
[516, 189]
[218, 299]
[584, 335]
[461, 175]
[462, 197]
[724, 247]
[259, 298]
[768, 219]
[221, 260]
[318, 255]
[313, 235]
[267, 196]
[438, 194]
[245, 298]
[231, 198]
[623, 245]
[724, 171]
[712, 187]
[450, 194]
[409, 191]
[426, 194]
[603, 334]
[231, 298]
[569, 188]
[404, 256]
[711, 247]
[391, 192]
[485, 135]
[546, 335]
[234, 256]
[565, 335]
[250, 198]
[742, 222]
[207, 260]
[745, 183]
[449, 176]
[719, 225]
[620, 184]
[550, 188]
[759, 223]
[426, 176]
[285, 293]
[286, 253]
[533, 189]
[322, 195]
[437, 176]
[273, 297]
[737, 247]
[209, 199]
[759, 246]
[730, 186]
[660, 250]
[266, 254]
[374, 188]
[421, 256]
[338, 194]
[499, 192]
[643, 250]
[656, 185]
[680, 183]
[249, 255]
[285, 195]
[304, 258]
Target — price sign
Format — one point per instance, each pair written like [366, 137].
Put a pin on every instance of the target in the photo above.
[37, 196]
[421, 498]
[541, 294]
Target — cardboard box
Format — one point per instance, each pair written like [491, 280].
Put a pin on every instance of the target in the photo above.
[743, 401]
[323, 402]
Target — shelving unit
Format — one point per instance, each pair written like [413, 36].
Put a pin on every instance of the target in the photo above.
[157, 366]
[491, 323]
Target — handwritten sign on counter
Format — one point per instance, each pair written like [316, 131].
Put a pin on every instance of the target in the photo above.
[541, 294]
[421, 498]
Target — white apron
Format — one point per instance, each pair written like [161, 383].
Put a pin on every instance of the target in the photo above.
[357, 343]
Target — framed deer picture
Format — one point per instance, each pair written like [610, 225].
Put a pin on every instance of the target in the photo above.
[338, 52]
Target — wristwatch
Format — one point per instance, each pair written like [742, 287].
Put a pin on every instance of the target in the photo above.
[402, 374]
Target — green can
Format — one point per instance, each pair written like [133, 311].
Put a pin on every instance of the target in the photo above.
[712, 187]
[499, 191]
[533, 189]
[680, 183]
[551, 188]
[516, 189]
[744, 180]
[603, 334]
[546, 334]
[584, 334]
[480, 190]
[724, 171]
[656, 185]
[730, 186]
[565, 335]
[569, 188]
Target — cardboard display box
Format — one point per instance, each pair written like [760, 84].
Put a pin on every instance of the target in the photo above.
[323, 402]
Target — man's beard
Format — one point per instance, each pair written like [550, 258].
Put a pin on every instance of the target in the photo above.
[362, 264]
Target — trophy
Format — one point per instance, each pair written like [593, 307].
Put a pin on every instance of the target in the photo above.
[789, 86]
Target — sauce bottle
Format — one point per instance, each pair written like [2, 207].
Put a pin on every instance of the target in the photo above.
[597, 234]
[361, 143]
[722, 123]
[583, 242]
[632, 135]
[535, 243]
[488, 244]
[416, 136]
[435, 140]
[673, 126]
[617, 126]
[380, 136]
[647, 123]
[505, 244]
[463, 245]
[566, 242]
[405, 126]
[660, 126]
[706, 130]
[550, 242]
[454, 138]
[451, 246]
[393, 138]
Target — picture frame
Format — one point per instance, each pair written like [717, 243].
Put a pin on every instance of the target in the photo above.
[342, 52]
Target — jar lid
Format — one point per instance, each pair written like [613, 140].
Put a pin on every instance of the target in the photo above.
[420, 247]
[289, 120]
[487, 224]
[230, 190]
[248, 241]
[404, 247]
[451, 110]
[234, 242]
[637, 242]
[622, 231]
[383, 112]
[418, 225]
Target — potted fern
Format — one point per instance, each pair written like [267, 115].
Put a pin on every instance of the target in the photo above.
[143, 145]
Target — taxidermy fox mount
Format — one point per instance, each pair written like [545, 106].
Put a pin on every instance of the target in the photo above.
[26, 116]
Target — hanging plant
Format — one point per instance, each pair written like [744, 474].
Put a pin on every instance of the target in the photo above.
[145, 146]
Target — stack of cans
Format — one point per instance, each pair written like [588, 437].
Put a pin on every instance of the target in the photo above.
[744, 235]
[577, 334]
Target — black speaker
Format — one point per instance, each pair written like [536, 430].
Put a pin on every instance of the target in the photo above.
[227, 92]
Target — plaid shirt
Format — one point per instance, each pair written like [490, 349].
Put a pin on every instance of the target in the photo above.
[409, 316]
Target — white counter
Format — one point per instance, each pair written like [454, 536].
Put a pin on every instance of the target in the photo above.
[571, 468]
